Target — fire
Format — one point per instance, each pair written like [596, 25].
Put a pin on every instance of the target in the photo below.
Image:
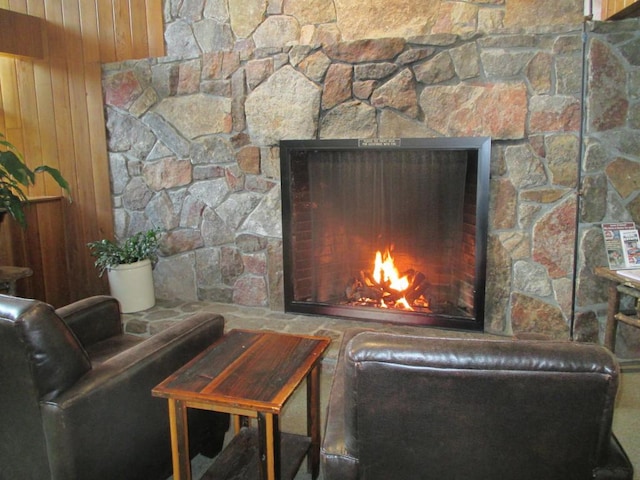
[385, 287]
[385, 272]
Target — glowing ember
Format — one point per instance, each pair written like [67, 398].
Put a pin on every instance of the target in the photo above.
[402, 303]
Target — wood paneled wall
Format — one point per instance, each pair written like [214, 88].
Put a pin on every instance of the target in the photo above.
[52, 110]
[615, 9]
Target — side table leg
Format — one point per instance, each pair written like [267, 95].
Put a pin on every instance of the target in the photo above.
[239, 421]
[179, 440]
[613, 306]
[313, 420]
[269, 445]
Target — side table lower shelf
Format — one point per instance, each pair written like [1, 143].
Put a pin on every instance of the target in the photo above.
[239, 460]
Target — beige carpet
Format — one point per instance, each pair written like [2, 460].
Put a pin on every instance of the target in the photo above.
[626, 418]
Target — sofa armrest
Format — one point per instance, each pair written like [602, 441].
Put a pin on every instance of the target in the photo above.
[618, 466]
[93, 319]
[108, 425]
[337, 462]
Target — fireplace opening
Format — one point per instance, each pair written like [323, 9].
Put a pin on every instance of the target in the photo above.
[391, 230]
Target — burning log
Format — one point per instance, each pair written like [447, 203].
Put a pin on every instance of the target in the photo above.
[385, 288]
[367, 290]
[418, 287]
[357, 291]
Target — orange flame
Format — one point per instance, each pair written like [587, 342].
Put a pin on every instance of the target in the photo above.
[385, 271]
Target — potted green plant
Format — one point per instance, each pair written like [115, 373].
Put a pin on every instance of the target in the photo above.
[129, 267]
[15, 176]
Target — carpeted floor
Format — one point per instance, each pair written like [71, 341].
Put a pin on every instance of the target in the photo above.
[626, 423]
[626, 417]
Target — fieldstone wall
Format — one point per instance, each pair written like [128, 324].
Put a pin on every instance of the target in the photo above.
[611, 166]
[193, 137]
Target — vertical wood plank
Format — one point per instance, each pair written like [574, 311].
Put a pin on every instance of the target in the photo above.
[139, 34]
[122, 27]
[44, 118]
[155, 27]
[72, 30]
[30, 144]
[2, 122]
[53, 259]
[89, 30]
[55, 35]
[10, 97]
[106, 32]
[98, 160]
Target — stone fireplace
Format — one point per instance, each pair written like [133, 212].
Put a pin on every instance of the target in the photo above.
[194, 136]
[386, 229]
[207, 168]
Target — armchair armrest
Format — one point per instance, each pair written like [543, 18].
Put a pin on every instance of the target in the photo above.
[94, 427]
[337, 462]
[93, 319]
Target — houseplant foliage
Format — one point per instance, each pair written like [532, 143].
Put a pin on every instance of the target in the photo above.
[16, 176]
[138, 247]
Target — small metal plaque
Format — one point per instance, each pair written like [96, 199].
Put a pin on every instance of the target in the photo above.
[379, 142]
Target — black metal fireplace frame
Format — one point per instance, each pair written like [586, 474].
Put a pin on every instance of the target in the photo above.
[478, 147]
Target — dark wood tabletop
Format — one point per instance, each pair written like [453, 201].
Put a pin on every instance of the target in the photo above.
[246, 369]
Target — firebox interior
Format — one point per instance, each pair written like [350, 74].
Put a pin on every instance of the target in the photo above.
[423, 202]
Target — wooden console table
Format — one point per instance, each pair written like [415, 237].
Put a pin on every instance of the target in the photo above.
[619, 285]
[249, 374]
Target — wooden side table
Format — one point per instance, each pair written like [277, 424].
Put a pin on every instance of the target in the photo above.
[10, 275]
[249, 374]
[619, 285]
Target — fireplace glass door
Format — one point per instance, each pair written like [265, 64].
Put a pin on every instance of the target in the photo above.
[386, 231]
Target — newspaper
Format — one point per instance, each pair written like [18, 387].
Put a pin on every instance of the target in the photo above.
[622, 243]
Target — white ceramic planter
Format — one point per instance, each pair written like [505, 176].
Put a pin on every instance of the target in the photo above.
[132, 285]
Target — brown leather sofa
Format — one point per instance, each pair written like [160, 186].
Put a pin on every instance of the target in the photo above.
[405, 407]
[75, 392]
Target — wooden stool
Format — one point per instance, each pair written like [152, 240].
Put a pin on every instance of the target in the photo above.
[619, 285]
[8, 277]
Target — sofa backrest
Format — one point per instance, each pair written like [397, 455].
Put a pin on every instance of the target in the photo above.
[475, 409]
[39, 358]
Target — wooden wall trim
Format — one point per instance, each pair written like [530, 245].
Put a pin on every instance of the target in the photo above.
[21, 34]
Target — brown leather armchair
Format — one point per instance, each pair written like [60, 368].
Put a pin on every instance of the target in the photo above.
[75, 392]
[474, 409]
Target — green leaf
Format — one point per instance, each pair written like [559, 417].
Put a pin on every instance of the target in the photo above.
[13, 166]
[56, 175]
[16, 174]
